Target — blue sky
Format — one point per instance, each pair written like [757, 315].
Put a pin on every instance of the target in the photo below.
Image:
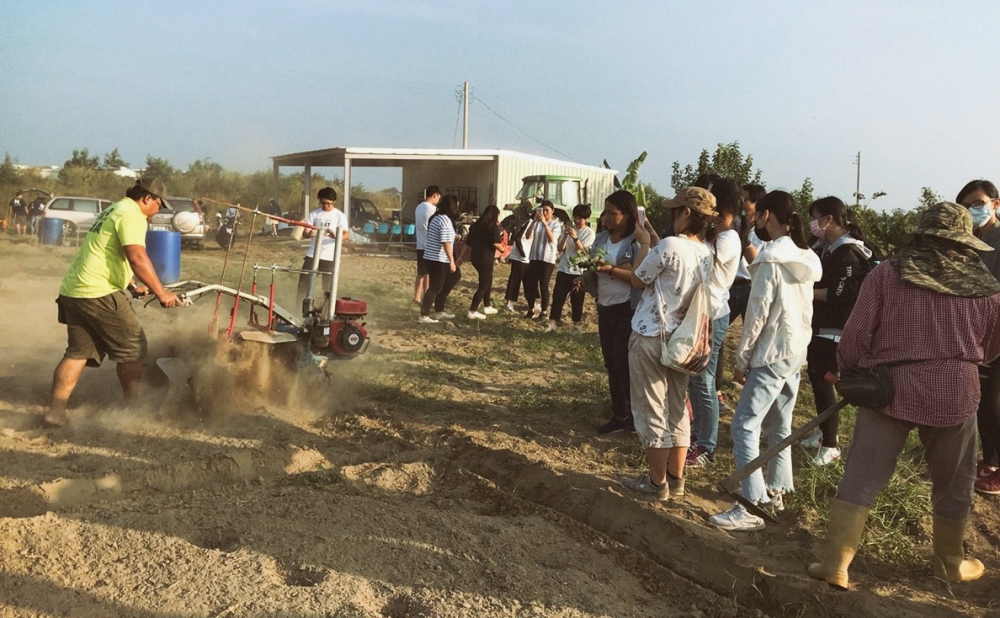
[803, 86]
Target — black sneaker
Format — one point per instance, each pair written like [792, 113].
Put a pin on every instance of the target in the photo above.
[617, 424]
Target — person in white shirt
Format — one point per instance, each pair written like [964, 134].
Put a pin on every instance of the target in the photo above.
[543, 234]
[442, 263]
[518, 260]
[703, 387]
[422, 216]
[739, 292]
[771, 353]
[668, 274]
[577, 238]
[328, 220]
[616, 301]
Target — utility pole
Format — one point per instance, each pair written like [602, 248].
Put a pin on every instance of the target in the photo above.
[857, 190]
[465, 110]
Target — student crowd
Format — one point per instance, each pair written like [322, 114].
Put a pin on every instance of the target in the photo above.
[930, 313]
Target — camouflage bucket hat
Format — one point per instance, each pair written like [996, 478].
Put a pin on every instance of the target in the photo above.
[952, 221]
[695, 198]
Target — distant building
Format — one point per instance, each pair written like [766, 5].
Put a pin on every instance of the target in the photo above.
[481, 176]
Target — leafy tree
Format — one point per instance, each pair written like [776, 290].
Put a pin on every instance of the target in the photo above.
[114, 161]
[160, 168]
[80, 169]
[727, 161]
[803, 197]
[9, 174]
[928, 197]
[81, 158]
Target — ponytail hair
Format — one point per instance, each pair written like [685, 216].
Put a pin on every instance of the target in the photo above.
[841, 214]
[781, 205]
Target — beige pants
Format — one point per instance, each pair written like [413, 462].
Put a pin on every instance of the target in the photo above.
[658, 396]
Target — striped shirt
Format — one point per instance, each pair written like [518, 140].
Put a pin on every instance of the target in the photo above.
[941, 338]
[439, 231]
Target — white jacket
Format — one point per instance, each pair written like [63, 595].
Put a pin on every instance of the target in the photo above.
[779, 313]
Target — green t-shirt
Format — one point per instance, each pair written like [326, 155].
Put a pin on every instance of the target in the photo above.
[100, 267]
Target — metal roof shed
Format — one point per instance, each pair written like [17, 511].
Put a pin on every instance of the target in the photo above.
[483, 176]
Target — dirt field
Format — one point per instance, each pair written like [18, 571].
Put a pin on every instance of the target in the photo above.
[450, 471]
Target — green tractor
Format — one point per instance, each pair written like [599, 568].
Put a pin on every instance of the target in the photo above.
[565, 192]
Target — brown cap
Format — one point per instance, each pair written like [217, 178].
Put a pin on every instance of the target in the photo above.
[952, 221]
[695, 198]
[153, 185]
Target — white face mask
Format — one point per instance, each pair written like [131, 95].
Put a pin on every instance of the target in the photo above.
[980, 215]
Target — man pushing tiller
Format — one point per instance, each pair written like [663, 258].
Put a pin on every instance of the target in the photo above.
[94, 296]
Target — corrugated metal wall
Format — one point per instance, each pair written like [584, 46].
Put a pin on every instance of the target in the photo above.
[496, 182]
[418, 175]
[513, 168]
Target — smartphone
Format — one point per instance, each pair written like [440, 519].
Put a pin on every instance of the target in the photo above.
[642, 216]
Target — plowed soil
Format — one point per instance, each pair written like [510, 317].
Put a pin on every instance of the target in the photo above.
[445, 472]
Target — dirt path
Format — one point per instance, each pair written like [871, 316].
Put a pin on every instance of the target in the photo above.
[444, 473]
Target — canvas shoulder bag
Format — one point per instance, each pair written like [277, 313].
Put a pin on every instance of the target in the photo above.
[689, 348]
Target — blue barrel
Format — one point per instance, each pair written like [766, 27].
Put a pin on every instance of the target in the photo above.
[164, 250]
[369, 227]
[383, 228]
[397, 229]
[410, 229]
[52, 231]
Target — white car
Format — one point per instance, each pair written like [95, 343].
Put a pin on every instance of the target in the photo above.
[77, 213]
[184, 215]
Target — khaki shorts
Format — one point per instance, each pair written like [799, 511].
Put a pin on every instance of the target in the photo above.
[99, 327]
[658, 396]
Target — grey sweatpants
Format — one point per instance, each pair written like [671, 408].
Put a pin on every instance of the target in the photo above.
[878, 439]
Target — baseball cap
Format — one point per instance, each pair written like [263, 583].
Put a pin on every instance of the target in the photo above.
[153, 185]
[695, 198]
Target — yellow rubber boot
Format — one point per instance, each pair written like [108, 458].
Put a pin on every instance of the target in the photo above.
[951, 564]
[843, 535]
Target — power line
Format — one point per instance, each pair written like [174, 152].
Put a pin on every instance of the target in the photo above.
[528, 135]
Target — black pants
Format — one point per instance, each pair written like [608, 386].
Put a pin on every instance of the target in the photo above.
[988, 416]
[614, 327]
[442, 282]
[821, 358]
[739, 297]
[564, 287]
[325, 267]
[536, 283]
[514, 281]
[484, 266]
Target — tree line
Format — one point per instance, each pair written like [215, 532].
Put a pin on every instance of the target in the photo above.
[87, 175]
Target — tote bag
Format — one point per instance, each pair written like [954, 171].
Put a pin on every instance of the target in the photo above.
[689, 348]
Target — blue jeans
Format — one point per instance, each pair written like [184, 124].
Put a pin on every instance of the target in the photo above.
[701, 390]
[766, 403]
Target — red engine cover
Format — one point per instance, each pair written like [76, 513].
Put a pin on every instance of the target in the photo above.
[347, 337]
[351, 308]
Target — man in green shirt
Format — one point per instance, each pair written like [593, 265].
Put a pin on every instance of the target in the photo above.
[93, 299]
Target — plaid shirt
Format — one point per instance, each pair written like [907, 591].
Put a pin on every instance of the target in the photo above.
[947, 336]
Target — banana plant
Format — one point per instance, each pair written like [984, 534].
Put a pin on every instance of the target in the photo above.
[631, 181]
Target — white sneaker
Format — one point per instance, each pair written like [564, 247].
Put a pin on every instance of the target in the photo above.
[737, 519]
[509, 307]
[814, 440]
[550, 327]
[490, 310]
[826, 455]
[426, 319]
[441, 315]
[475, 315]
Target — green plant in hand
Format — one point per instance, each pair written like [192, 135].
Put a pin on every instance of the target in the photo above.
[586, 261]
